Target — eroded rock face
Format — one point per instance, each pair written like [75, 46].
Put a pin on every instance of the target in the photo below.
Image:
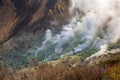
[23, 21]
[8, 19]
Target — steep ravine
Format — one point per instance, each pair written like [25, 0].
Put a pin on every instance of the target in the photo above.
[27, 18]
[59, 40]
[23, 24]
[46, 30]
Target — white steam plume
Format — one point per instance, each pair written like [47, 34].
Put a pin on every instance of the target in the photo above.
[48, 36]
[101, 17]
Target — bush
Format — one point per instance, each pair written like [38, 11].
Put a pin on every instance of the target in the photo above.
[63, 72]
[114, 72]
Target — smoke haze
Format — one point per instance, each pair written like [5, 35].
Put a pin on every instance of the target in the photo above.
[93, 22]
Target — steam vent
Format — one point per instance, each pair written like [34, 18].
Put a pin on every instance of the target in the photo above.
[59, 39]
